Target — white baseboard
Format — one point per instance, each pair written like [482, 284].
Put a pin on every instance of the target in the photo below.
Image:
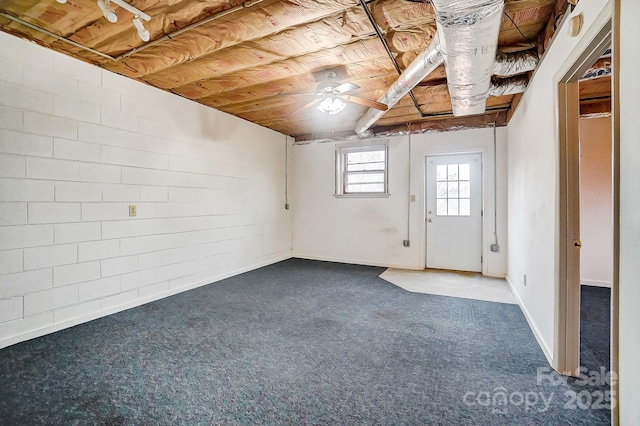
[595, 283]
[32, 334]
[543, 345]
[495, 275]
[355, 261]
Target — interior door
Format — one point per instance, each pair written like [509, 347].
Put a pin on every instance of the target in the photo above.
[454, 212]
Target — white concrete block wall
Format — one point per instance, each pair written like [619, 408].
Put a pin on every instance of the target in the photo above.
[78, 145]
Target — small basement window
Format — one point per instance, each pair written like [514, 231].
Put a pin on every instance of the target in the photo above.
[362, 170]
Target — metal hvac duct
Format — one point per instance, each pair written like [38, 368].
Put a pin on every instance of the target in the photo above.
[508, 64]
[466, 41]
[422, 66]
[509, 86]
[468, 31]
[505, 65]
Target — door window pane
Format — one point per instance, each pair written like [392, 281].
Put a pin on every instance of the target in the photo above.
[465, 189]
[465, 207]
[453, 190]
[464, 171]
[453, 207]
[442, 189]
[452, 172]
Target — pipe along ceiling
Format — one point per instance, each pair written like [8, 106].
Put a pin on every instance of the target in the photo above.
[466, 42]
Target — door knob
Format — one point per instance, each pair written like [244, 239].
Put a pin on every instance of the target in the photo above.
[429, 220]
[577, 243]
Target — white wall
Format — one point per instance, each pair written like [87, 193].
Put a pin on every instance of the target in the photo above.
[370, 230]
[629, 279]
[596, 202]
[77, 146]
[533, 182]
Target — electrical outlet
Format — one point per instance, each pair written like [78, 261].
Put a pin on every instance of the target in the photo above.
[525, 280]
[286, 206]
[405, 243]
[132, 210]
[495, 248]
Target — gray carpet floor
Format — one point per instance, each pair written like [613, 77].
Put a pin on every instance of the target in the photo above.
[297, 342]
[595, 327]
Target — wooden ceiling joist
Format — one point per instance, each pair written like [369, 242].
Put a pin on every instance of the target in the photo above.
[254, 58]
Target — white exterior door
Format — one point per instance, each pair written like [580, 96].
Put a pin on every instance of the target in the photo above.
[454, 212]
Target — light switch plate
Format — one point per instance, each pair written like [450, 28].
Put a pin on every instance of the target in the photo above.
[132, 210]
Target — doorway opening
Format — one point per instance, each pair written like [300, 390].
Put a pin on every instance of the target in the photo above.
[596, 219]
[567, 353]
[586, 235]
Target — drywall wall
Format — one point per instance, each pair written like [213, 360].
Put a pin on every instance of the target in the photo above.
[596, 202]
[78, 145]
[629, 283]
[533, 163]
[371, 230]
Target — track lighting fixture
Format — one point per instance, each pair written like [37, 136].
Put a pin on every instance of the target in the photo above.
[143, 33]
[134, 11]
[111, 15]
[107, 11]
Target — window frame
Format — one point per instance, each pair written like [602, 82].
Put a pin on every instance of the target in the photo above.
[341, 168]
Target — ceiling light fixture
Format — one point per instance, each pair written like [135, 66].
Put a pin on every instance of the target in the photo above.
[143, 33]
[61, 1]
[107, 11]
[331, 105]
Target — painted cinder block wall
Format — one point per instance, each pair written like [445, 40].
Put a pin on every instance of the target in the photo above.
[78, 145]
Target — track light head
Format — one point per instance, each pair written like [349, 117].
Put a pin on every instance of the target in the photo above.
[111, 15]
[107, 11]
[143, 33]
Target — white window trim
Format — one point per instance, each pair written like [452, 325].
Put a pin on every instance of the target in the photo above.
[342, 150]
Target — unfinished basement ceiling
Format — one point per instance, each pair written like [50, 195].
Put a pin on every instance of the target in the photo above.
[263, 60]
[595, 89]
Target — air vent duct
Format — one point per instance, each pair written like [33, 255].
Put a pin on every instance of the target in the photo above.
[468, 31]
[466, 41]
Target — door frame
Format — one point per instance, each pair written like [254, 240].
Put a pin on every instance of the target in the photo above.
[566, 357]
[484, 197]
